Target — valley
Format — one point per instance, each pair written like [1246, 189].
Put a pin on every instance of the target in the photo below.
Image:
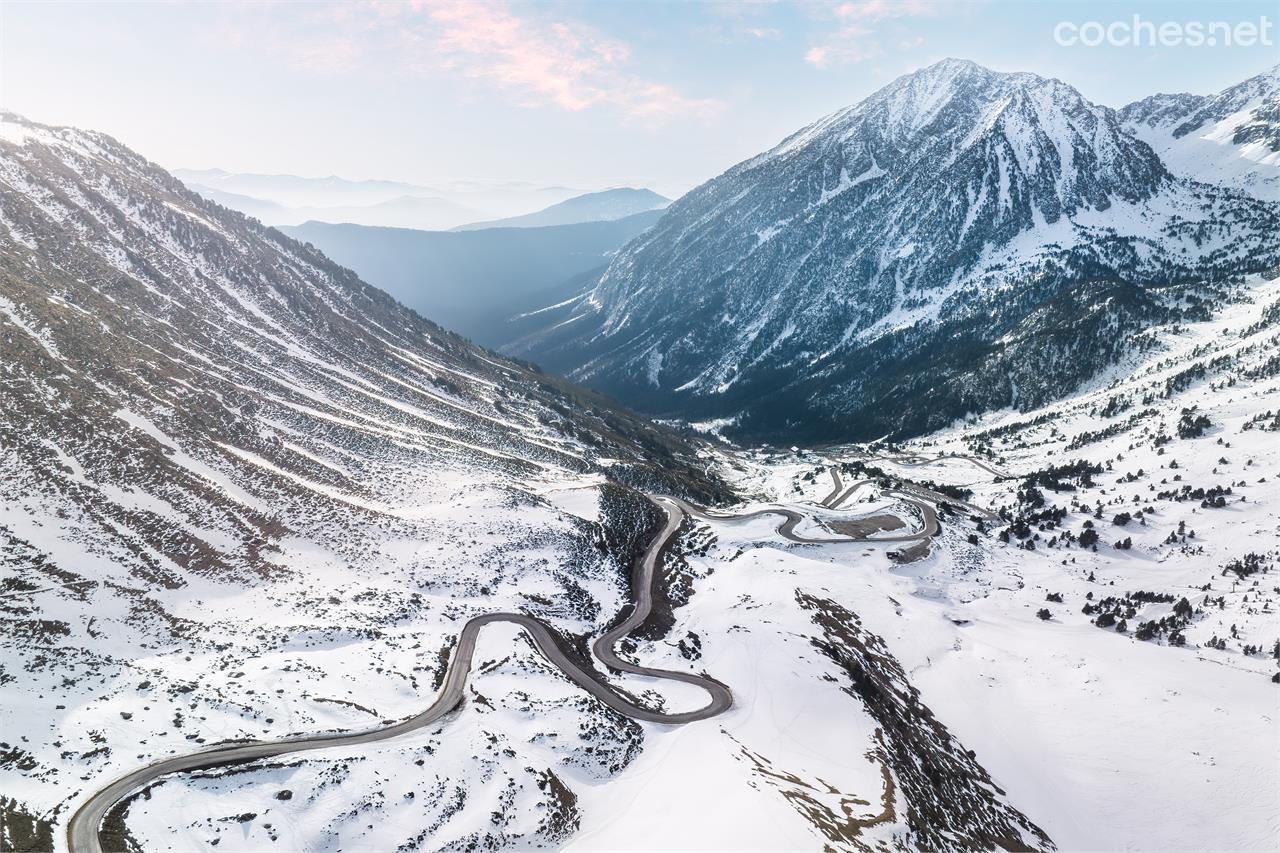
[83, 829]
[478, 283]
[951, 522]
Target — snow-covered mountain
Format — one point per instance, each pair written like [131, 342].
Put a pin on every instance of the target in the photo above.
[1231, 138]
[962, 239]
[245, 494]
[603, 206]
[248, 497]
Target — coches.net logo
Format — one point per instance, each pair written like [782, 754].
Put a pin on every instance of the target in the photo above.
[1139, 32]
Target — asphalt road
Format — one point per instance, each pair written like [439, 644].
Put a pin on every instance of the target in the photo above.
[835, 493]
[83, 829]
[790, 518]
[915, 460]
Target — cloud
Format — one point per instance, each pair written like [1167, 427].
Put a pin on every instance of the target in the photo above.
[537, 60]
[852, 43]
[856, 36]
[876, 10]
[534, 57]
[325, 54]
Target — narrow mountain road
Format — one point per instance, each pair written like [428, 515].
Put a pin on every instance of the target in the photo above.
[907, 490]
[835, 493]
[790, 519]
[83, 828]
[846, 494]
[915, 460]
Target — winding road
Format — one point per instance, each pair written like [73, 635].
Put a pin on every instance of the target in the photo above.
[835, 493]
[915, 460]
[791, 518]
[83, 828]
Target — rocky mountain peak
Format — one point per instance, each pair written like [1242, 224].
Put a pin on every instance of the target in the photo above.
[954, 195]
[1038, 136]
[1231, 138]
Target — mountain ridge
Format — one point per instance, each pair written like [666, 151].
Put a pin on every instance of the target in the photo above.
[284, 199]
[605, 205]
[944, 207]
[1231, 137]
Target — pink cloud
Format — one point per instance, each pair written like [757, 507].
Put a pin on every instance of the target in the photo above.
[875, 10]
[818, 56]
[539, 62]
[535, 58]
[852, 43]
[855, 37]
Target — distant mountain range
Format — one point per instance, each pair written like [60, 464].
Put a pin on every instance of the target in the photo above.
[961, 240]
[293, 200]
[592, 207]
[1231, 138]
[332, 191]
[476, 282]
[402, 211]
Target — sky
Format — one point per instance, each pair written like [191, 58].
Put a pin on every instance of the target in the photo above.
[582, 94]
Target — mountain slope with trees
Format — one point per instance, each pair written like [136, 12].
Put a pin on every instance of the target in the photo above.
[961, 240]
[476, 282]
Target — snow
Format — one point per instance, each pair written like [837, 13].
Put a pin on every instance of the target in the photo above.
[15, 315]
[1076, 721]
[1209, 153]
[847, 183]
[403, 511]
[697, 777]
[224, 483]
[1195, 728]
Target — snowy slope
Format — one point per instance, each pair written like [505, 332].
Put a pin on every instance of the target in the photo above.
[1107, 739]
[247, 495]
[949, 236]
[1192, 727]
[1159, 736]
[1231, 138]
